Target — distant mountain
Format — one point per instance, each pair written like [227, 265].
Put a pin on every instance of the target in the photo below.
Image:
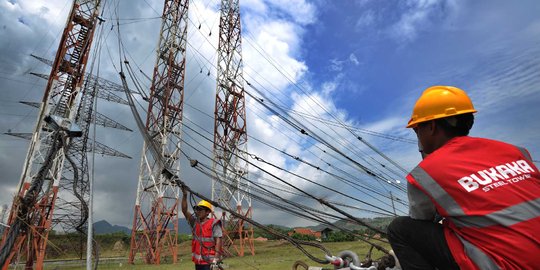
[104, 227]
[379, 222]
[285, 228]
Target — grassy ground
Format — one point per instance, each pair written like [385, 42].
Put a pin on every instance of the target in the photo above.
[269, 255]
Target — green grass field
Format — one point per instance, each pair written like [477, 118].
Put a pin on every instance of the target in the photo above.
[269, 255]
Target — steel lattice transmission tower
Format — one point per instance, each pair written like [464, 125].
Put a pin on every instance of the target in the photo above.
[66, 167]
[155, 222]
[230, 133]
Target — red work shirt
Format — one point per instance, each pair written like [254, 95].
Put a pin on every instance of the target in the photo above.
[489, 194]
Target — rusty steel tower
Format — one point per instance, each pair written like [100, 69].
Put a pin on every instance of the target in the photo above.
[230, 134]
[71, 207]
[55, 158]
[155, 221]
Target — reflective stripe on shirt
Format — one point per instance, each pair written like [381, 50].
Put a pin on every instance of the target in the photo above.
[437, 192]
[505, 217]
[481, 259]
[205, 239]
[200, 258]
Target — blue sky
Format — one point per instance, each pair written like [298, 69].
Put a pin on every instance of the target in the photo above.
[364, 61]
[401, 49]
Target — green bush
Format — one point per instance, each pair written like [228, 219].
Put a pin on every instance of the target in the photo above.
[262, 233]
[184, 238]
[303, 237]
[339, 236]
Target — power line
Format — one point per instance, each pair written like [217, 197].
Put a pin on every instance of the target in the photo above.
[346, 181]
[301, 129]
[189, 44]
[176, 181]
[292, 173]
[305, 131]
[321, 201]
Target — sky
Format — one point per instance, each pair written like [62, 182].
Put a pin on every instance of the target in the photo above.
[361, 63]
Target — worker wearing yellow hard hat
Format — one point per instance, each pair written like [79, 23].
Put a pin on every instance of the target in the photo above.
[206, 234]
[440, 102]
[204, 204]
[474, 203]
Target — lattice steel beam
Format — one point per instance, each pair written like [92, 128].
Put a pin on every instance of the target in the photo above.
[100, 149]
[64, 85]
[98, 119]
[230, 132]
[104, 94]
[156, 205]
[102, 83]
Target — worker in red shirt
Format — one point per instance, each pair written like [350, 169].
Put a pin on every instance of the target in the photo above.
[474, 203]
[206, 234]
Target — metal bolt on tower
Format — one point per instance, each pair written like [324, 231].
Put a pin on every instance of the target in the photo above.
[155, 222]
[230, 133]
[44, 169]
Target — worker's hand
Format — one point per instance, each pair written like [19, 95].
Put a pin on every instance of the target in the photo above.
[184, 190]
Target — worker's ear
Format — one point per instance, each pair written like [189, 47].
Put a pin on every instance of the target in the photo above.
[432, 127]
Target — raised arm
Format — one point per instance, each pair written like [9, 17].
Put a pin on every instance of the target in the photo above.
[189, 217]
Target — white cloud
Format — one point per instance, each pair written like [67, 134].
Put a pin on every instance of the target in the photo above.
[50, 11]
[418, 16]
[312, 104]
[270, 53]
[387, 125]
[407, 27]
[336, 65]
[329, 87]
[365, 20]
[353, 59]
[300, 11]
[255, 5]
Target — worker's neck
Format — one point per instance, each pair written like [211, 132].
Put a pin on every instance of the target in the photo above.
[442, 140]
[201, 220]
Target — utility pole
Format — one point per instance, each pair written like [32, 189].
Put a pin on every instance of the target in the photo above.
[393, 206]
[45, 169]
[155, 221]
[230, 133]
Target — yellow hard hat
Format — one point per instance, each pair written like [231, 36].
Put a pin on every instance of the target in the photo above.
[206, 204]
[439, 102]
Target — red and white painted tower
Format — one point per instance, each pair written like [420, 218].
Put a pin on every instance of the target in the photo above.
[230, 133]
[44, 168]
[155, 222]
